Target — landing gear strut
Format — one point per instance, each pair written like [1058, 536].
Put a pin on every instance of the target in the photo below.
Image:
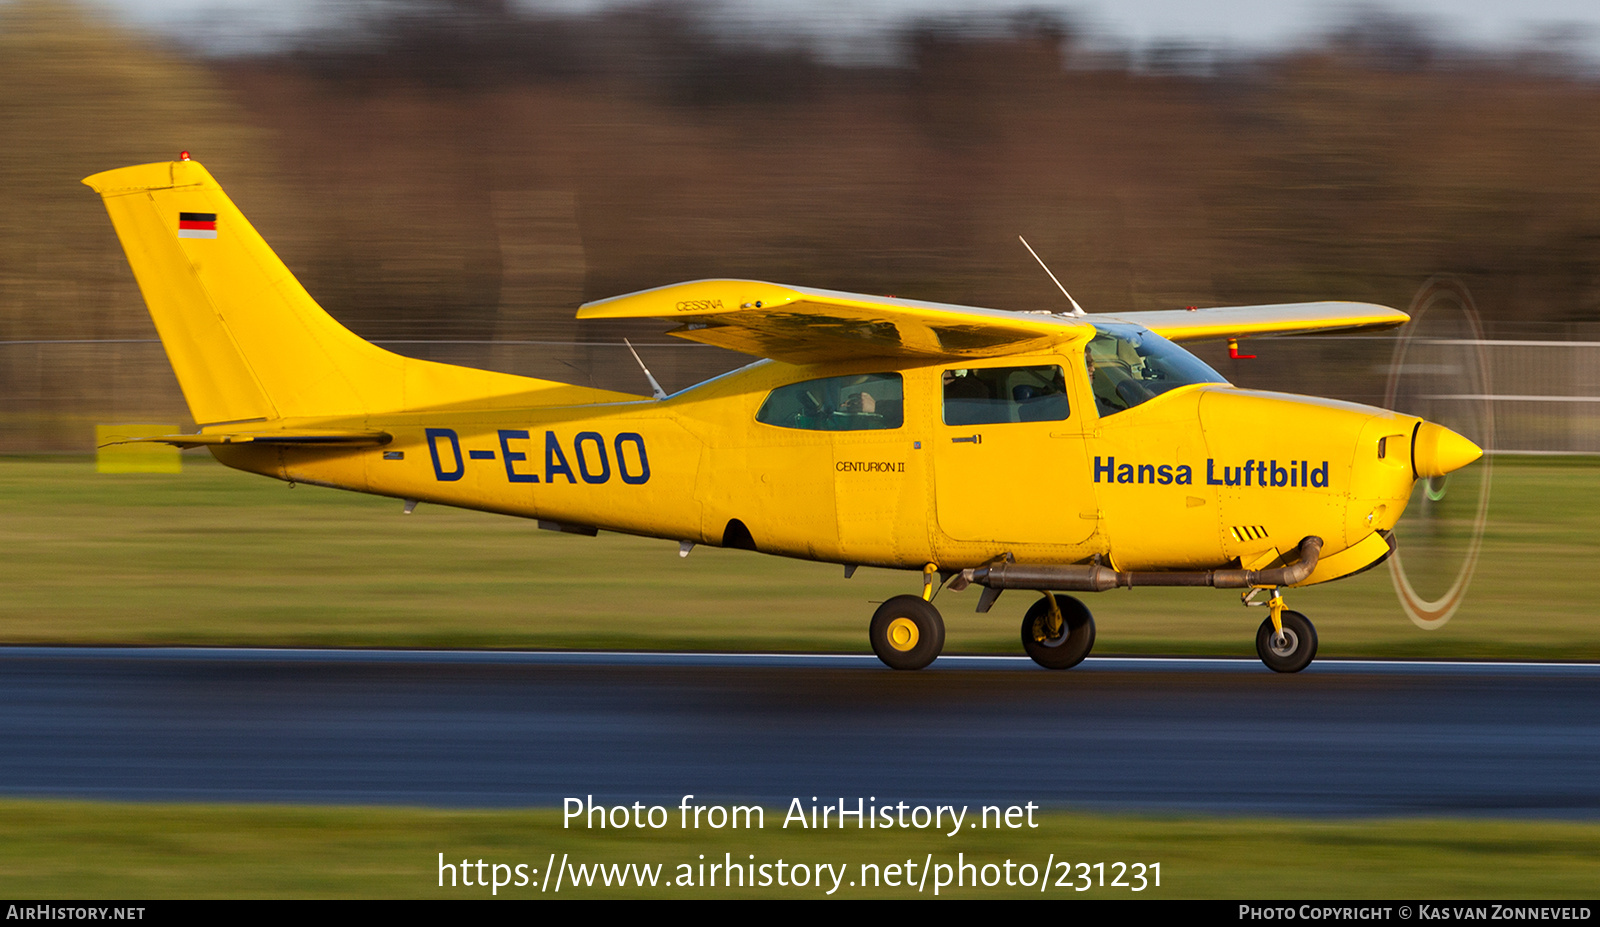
[1286, 641]
[1058, 632]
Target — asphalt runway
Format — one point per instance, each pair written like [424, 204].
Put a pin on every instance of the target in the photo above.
[529, 729]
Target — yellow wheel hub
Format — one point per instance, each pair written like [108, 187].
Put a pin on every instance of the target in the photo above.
[903, 634]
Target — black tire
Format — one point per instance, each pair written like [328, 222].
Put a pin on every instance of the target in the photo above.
[1299, 647]
[1065, 649]
[907, 633]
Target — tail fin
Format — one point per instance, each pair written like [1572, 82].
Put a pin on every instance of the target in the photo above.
[247, 342]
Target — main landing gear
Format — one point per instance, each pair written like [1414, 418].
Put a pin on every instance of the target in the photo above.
[1058, 632]
[907, 631]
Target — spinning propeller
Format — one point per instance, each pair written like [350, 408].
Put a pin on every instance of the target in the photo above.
[1441, 373]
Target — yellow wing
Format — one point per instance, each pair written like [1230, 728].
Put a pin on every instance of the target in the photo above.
[1247, 321]
[806, 325]
[803, 325]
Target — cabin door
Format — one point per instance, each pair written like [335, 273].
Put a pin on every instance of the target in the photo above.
[1009, 456]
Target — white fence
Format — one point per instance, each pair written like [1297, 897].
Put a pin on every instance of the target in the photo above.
[1545, 396]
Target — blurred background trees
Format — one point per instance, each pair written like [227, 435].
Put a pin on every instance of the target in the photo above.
[471, 170]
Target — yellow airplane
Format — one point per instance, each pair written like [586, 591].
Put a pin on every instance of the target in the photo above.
[1051, 452]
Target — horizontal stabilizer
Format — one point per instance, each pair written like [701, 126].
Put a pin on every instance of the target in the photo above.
[330, 439]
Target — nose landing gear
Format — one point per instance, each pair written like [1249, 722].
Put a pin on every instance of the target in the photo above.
[1286, 641]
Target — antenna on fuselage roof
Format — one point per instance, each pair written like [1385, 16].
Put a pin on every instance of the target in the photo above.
[655, 388]
[1077, 310]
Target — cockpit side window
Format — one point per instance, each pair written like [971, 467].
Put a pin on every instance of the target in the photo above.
[995, 395]
[1129, 365]
[863, 402]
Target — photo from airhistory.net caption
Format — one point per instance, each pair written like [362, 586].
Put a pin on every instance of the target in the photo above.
[934, 873]
[86, 860]
[947, 866]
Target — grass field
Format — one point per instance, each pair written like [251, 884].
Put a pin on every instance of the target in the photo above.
[88, 850]
[213, 556]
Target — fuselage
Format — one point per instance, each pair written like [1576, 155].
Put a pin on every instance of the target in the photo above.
[898, 465]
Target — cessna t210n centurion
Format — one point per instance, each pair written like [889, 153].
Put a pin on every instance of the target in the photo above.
[1008, 450]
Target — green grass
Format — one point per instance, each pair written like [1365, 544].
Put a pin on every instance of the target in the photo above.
[213, 556]
[74, 850]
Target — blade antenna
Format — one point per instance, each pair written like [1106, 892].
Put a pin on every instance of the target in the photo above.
[655, 388]
[1077, 310]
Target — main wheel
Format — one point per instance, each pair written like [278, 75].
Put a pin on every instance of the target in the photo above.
[1063, 647]
[907, 632]
[1295, 652]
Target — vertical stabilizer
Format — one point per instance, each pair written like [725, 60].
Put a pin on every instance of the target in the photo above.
[245, 339]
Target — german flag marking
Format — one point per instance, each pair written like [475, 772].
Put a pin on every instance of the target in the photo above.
[197, 225]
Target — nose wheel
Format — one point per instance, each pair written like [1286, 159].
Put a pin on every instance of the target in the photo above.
[1291, 649]
[1058, 632]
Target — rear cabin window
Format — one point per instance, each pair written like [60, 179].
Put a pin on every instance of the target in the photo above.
[864, 402]
[996, 395]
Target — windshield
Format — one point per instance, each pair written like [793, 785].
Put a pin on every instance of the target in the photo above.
[1129, 365]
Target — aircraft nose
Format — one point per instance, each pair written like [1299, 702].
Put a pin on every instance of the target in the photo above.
[1438, 451]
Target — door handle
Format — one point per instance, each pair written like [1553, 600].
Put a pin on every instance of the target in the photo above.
[973, 439]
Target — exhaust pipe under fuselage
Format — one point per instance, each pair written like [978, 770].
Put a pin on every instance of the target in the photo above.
[1096, 578]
